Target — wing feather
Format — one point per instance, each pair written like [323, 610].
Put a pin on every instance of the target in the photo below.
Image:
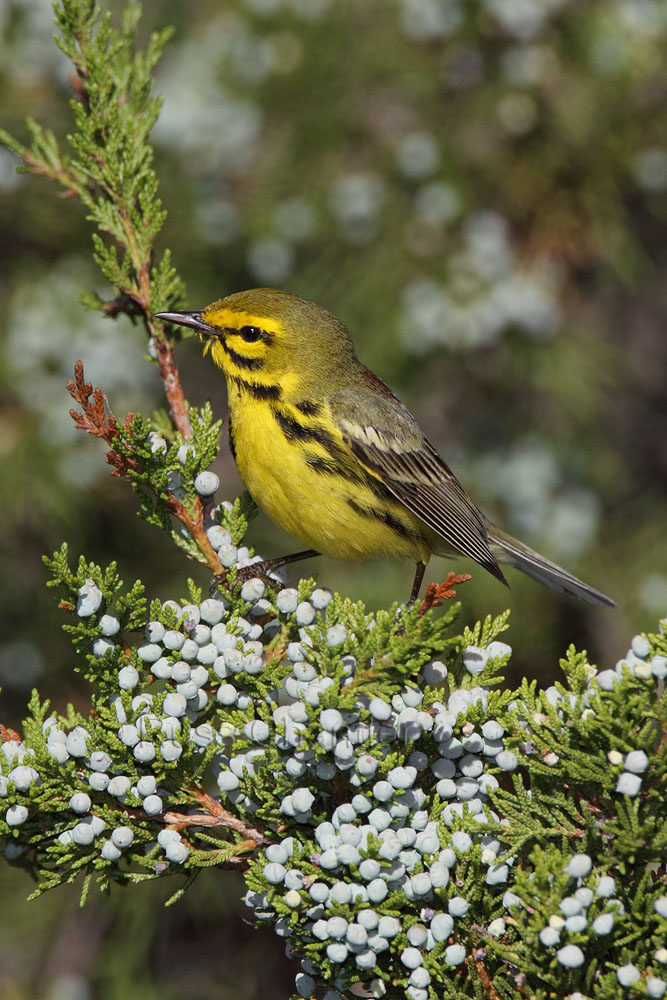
[385, 438]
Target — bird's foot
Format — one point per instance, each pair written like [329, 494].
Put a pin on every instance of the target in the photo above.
[264, 571]
[267, 569]
[218, 580]
[436, 593]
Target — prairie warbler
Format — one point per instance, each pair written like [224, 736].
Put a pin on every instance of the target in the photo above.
[328, 451]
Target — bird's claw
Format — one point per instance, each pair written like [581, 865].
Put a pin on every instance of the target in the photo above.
[263, 571]
[217, 580]
[259, 570]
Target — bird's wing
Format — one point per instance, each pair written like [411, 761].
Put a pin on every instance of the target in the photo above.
[385, 438]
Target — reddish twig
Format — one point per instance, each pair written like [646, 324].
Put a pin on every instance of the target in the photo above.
[52, 172]
[215, 815]
[8, 734]
[436, 593]
[95, 419]
[123, 304]
[236, 861]
[484, 977]
[171, 381]
[195, 525]
[78, 79]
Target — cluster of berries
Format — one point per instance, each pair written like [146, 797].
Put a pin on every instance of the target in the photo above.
[385, 797]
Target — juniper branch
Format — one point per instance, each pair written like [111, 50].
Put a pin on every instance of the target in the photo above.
[110, 171]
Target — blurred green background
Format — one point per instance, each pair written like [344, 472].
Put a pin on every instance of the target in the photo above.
[477, 187]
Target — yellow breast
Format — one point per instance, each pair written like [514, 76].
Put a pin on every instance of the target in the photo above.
[299, 472]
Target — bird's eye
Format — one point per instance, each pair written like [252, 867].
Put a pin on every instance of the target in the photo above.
[250, 333]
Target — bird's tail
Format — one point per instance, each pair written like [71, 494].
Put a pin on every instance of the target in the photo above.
[512, 552]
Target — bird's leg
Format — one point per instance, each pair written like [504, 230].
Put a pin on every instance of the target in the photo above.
[267, 565]
[416, 586]
[262, 569]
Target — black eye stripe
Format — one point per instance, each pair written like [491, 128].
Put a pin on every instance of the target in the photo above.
[250, 364]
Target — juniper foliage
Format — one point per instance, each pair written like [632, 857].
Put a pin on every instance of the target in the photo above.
[409, 826]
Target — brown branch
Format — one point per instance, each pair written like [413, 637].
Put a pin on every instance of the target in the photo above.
[233, 862]
[132, 304]
[123, 304]
[195, 525]
[95, 419]
[485, 979]
[436, 593]
[142, 265]
[171, 380]
[216, 815]
[136, 297]
[141, 296]
[78, 79]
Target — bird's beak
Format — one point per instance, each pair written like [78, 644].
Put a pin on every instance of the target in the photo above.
[191, 319]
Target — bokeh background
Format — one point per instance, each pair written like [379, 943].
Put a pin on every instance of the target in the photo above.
[477, 187]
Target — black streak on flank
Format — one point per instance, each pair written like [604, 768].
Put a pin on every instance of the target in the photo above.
[294, 431]
[308, 407]
[382, 515]
[338, 466]
[257, 390]
[325, 466]
[251, 364]
[395, 525]
[343, 465]
[339, 461]
[363, 511]
[230, 437]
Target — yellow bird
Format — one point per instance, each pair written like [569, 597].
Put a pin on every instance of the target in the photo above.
[328, 451]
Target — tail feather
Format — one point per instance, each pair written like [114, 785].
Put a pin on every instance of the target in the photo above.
[512, 552]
